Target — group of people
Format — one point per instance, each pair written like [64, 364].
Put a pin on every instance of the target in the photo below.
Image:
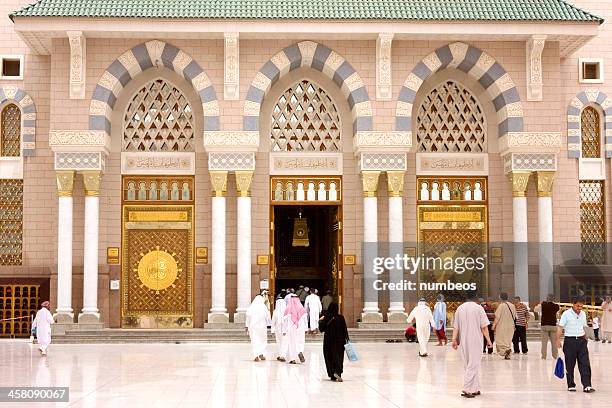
[314, 306]
[477, 324]
[290, 321]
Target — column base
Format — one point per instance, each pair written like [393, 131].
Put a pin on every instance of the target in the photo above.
[371, 317]
[240, 317]
[89, 318]
[397, 317]
[64, 317]
[217, 317]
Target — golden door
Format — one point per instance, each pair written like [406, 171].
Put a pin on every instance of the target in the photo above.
[157, 262]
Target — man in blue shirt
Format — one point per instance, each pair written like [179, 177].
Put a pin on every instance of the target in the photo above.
[575, 347]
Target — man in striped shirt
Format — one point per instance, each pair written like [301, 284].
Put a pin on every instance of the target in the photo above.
[520, 331]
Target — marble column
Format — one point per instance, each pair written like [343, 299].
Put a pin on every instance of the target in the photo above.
[243, 247]
[371, 313]
[90, 312]
[65, 184]
[395, 181]
[218, 312]
[545, 233]
[519, 180]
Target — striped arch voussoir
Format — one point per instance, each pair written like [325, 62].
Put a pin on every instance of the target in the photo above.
[321, 58]
[28, 116]
[139, 59]
[574, 112]
[480, 66]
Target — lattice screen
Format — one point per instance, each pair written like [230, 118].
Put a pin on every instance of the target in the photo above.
[592, 222]
[11, 216]
[305, 119]
[450, 119]
[158, 119]
[590, 134]
[10, 126]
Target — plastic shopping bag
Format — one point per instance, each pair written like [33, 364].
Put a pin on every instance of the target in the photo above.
[559, 368]
[351, 353]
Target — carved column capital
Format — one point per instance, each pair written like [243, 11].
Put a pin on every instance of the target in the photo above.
[243, 182]
[78, 60]
[91, 180]
[232, 71]
[65, 183]
[383, 66]
[519, 180]
[535, 46]
[218, 179]
[545, 183]
[370, 183]
[395, 182]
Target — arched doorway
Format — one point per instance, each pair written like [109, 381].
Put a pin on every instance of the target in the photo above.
[157, 217]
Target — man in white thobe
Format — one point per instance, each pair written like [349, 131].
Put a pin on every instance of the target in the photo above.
[295, 330]
[313, 307]
[424, 322]
[257, 320]
[42, 323]
[277, 328]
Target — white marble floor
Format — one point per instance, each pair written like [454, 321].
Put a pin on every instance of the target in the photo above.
[218, 376]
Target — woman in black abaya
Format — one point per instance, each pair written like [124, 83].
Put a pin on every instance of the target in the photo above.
[335, 337]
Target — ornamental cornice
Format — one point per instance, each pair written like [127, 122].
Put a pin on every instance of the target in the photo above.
[79, 140]
[377, 141]
[530, 142]
[231, 140]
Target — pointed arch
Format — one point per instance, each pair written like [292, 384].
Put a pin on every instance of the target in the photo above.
[138, 59]
[21, 98]
[319, 57]
[477, 64]
[574, 111]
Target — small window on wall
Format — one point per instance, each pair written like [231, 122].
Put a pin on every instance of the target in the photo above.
[591, 70]
[11, 67]
[592, 222]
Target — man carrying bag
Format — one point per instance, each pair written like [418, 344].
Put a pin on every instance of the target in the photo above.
[575, 347]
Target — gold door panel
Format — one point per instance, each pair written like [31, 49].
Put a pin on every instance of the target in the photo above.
[157, 266]
[453, 232]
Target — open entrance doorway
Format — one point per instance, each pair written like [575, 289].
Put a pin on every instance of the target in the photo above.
[306, 248]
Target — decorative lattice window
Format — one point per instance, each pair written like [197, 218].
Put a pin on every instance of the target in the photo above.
[592, 222]
[11, 216]
[159, 118]
[305, 119]
[10, 131]
[450, 119]
[590, 134]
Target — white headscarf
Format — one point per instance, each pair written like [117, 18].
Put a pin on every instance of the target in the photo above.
[258, 312]
[280, 305]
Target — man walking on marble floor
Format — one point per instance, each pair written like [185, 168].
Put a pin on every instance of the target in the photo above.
[470, 326]
[504, 324]
[313, 308]
[521, 326]
[548, 326]
[42, 323]
[575, 345]
[424, 321]
[440, 319]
